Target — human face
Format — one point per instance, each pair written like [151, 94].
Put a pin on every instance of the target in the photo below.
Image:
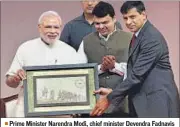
[134, 20]
[50, 28]
[104, 25]
[88, 5]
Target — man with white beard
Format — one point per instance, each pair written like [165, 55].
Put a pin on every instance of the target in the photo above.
[46, 50]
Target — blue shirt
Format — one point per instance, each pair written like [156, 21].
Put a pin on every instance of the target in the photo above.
[75, 30]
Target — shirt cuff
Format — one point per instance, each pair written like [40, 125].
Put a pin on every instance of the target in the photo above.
[99, 69]
[118, 69]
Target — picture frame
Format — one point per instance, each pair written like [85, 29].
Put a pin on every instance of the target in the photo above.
[60, 89]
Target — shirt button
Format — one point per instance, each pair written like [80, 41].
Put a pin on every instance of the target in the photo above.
[107, 77]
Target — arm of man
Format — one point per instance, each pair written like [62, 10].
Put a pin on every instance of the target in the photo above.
[150, 53]
[148, 56]
[15, 73]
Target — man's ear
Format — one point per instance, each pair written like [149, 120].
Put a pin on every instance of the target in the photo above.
[144, 14]
[39, 27]
[114, 18]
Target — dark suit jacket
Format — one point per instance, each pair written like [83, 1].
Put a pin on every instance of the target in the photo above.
[150, 83]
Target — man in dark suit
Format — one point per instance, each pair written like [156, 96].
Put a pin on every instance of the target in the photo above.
[150, 82]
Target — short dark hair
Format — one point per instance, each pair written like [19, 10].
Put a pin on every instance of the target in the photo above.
[102, 9]
[139, 5]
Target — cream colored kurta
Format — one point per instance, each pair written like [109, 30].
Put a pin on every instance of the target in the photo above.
[36, 53]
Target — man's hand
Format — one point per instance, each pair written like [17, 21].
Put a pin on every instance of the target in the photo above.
[108, 62]
[16, 79]
[102, 104]
[103, 92]
[21, 74]
[13, 81]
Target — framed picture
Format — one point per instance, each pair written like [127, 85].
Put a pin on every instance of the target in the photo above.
[60, 89]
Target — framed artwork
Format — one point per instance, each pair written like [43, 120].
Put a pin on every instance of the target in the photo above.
[60, 89]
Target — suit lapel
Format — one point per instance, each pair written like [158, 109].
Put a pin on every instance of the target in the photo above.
[138, 39]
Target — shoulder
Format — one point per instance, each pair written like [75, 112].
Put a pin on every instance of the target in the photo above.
[74, 21]
[122, 33]
[152, 38]
[91, 35]
[29, 45]
[65, 46]
[150, 32]
[79, 18]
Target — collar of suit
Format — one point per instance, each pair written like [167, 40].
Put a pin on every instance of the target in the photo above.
[138, 36]
[137, 33]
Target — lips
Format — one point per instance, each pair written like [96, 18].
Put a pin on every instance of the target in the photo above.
[90, 8]
[102, 31]
[131, 27]
[52, 36]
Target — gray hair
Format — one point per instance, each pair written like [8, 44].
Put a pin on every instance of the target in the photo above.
[48, 13]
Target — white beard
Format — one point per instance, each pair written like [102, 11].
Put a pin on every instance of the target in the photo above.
[48, 40]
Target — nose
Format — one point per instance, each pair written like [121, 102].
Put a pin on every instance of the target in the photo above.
[101, 25]
[128, 21]
[52, 30]
[89, 2]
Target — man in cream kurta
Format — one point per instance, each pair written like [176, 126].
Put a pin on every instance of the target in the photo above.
[46, 50]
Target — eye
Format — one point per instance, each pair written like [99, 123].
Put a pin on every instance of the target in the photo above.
[125, 18]
[47, 27]
[105, 22]
[133, 17]
[56, 27]
[96, 23]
